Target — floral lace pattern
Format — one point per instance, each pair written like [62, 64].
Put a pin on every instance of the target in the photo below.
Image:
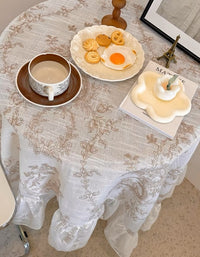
[98, 161]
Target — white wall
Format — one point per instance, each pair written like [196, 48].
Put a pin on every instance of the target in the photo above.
[9, 9]
[193, 171]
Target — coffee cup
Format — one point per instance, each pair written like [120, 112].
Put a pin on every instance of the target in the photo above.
[49, 74]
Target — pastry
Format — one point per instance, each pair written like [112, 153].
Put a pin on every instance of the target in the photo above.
[92, 57]
[117, 37]
[103, 40]
[90, 44]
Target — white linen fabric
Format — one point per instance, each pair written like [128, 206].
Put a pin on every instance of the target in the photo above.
[97, 161]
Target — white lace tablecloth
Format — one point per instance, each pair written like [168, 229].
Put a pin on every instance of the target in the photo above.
[97, 161]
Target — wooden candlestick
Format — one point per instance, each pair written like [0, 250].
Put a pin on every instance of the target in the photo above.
[115, 19]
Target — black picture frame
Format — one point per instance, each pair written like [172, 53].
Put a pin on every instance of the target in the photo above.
[152, 19]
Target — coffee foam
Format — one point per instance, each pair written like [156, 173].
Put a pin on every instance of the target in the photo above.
[49, 72]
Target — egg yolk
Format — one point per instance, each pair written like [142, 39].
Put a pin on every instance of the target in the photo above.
[117, 58]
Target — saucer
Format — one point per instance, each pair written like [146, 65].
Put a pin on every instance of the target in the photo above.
[24, 88]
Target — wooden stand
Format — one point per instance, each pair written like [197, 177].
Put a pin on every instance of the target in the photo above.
[115, 19]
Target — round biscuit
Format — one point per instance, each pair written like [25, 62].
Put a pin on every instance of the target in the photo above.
[117, 37]
[92, 57]
[90, 44]
[103, 40]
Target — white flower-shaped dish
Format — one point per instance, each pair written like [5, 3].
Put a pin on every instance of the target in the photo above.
[143, 95]
[99, 70]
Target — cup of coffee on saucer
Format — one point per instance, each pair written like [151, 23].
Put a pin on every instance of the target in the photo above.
[49, 74]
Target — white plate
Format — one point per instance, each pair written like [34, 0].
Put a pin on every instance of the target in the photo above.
[99, 70]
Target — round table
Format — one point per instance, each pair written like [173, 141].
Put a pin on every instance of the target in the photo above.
[98, 161]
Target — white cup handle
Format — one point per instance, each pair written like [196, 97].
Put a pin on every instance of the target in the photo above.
[50, 93]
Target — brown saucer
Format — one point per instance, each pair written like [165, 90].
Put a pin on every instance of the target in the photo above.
[22, 84]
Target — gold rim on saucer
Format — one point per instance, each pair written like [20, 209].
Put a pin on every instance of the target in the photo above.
[22, 84]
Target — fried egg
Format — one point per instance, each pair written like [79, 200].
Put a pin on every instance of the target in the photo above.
[118, 57]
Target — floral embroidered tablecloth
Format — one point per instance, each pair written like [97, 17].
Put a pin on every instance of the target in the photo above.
[98, 161]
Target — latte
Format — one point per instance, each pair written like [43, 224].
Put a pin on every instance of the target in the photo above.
[49, 72]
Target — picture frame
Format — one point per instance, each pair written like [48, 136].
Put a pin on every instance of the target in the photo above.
[164, 27]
